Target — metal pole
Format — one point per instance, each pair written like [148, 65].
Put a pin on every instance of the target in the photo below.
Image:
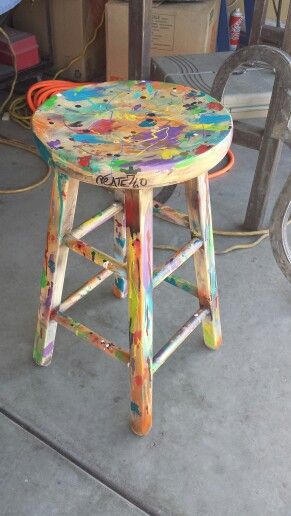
[139, 39]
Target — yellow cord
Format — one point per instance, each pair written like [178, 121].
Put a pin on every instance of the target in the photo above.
[2, 31]
[262, 233]
[17, 107]
[32, 150]
[84, 49]
[243, 246]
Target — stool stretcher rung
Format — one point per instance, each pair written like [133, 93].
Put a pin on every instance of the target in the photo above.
[96, 221]
[170, 215]
[176, 261]
[168, 349]
[185, 285]
[90, 336]
[82, 291]
[94, 255]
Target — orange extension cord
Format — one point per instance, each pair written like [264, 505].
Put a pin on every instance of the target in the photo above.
[41, 91]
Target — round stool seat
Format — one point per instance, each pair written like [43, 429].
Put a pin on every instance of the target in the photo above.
[131, 134]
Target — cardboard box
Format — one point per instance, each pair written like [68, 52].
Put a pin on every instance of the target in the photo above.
[30, 17]
[73, 23]
[176, 29]
[284, 11]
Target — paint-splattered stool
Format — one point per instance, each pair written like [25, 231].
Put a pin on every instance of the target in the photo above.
[130, 137]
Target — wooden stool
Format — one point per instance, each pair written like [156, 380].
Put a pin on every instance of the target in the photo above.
[130, 136]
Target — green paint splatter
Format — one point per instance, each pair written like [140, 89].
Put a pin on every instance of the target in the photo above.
[43, 279]
[37, 356]
[185, 162]
[120, 356]
[116, 164]
[49, 103]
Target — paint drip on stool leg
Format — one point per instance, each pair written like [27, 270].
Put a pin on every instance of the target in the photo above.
[139, 215]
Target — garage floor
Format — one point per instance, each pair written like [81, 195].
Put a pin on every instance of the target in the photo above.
[221, 441]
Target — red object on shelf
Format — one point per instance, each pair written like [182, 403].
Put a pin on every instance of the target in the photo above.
[25, 47]
[235, 22]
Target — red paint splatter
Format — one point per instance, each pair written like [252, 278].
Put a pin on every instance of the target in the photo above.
[138, 379]
[132, 209]
[137, 247]
[202, 148]
[103, 126]
[81, 246]
[84, 161]
[215, 105]
[137, 336]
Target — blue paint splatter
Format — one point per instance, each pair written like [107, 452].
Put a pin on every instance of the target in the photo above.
[213, 119]
[42, 150]
[135, 408]
[84, 93]
[51, 265]
[94, 166]
[149, 88]
[87, 138]
[147, 123]
[195, 94]
[189, 134]
[120, 241]
[120, 284]
[101, 108]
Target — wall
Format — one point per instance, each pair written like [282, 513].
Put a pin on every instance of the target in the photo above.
[271, 14]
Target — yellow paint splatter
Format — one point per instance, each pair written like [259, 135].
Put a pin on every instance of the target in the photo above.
[169, 153]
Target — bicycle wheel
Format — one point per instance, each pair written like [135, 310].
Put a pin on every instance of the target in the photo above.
[279, 230]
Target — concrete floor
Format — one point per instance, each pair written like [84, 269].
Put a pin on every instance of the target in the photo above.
[221, 441]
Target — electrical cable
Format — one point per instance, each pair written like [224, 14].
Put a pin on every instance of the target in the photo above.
[4, 33]
[262, 234]
[28, 148]
[84, 49]
[227, 168]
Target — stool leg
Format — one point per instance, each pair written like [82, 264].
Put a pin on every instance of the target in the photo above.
[120, 284]
[199, 209]
[139, 220]
[62, 210]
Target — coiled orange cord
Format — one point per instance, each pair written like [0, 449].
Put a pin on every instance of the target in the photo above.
[224, 170]
[41, 91]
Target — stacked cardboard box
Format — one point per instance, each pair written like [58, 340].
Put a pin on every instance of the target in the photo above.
[182, 28]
